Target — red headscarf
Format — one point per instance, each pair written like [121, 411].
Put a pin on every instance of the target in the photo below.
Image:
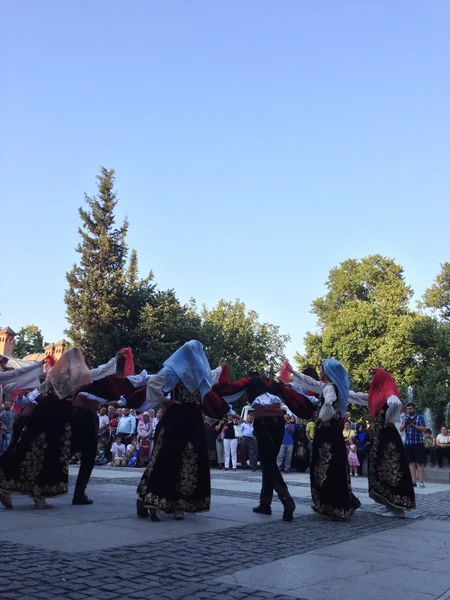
[128, 369]
[49, 362]
[383, 385]
[285, 374]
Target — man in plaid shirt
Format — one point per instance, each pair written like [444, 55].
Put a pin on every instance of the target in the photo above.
[414, 424]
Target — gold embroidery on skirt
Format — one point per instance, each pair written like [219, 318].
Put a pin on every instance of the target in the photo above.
[151, 464]
[389, 469]
[321, 468]
[188, 477]
[388, 474]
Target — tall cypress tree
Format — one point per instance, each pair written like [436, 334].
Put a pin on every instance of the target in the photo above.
[97, 295]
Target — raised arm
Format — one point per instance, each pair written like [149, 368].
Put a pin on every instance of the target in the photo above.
[307, 382]
[298, 403]
[358, 398]
[394, 410]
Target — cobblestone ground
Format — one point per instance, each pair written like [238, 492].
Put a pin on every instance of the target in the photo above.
[185, 567]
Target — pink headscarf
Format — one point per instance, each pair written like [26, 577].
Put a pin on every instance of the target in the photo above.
[69, 373]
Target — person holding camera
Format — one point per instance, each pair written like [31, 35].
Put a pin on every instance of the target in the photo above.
[414, 427]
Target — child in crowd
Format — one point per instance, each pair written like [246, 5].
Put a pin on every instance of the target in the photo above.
[100, 458]
[133, 453]
[353, 457]
[429, 444]
[75, 459]
[118, 453]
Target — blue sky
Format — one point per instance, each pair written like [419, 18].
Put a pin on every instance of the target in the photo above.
[257, 144]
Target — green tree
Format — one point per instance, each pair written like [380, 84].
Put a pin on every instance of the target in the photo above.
[165, 325]
[365, 321]
[29, 341]
[437, 297]
[432, 339]
[97, 294]
[235, 334]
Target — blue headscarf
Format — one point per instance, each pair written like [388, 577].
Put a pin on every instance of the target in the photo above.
[190, 366]
[339, 376]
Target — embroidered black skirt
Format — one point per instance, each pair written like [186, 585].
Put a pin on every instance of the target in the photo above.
[178, 475]
[37, 461]
[331, 489]
[390, 480]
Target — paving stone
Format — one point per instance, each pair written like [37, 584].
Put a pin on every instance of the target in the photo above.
[185, 567]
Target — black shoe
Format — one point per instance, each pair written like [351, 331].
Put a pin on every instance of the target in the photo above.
[82, 500]
[356, 503]
[289, 507]
[141, 510]
[154, 515]
[263, 509]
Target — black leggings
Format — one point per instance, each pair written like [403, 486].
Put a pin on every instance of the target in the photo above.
[84, 440]
[269, 432]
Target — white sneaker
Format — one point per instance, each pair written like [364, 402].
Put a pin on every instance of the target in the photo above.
[41, 504]
[393, 513]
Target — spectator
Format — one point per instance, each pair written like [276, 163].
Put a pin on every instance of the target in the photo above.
[100, 458]
[249, 448]
[414, 427]
[112, 414]
[211, 440]
[144, 433]
[219, 445]
[132, 446]
[230, 444]
[353, 457]
[430, 450]
[118, 453]
[132, 457]
[443, 446]
[361, 443]
[7, 419]
[144, 429]
[127, 426]
[113, 426]
[348, 433]
[347, 418]
[310, 430]
[287, 447]
[300, 460]
[159, 414]
[103, 423]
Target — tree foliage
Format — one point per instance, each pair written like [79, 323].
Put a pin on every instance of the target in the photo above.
[99, 297]
[437, 297]
[364, 320]
[29, 340]
[165, 325]
[432, 340]
[235, 334]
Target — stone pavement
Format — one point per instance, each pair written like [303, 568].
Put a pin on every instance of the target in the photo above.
[104, 551]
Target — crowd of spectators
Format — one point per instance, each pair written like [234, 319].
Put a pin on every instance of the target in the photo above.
[126, 439]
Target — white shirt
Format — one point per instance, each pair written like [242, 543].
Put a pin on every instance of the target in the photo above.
[103, 422]
[118, 451]
[443, 439]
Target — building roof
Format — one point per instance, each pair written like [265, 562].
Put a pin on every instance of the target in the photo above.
[17, 363]
[62, 342]
[38, 356]
[8, 330]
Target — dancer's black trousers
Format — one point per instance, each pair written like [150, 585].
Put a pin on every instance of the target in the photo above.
[84, 440]
[269, 432]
